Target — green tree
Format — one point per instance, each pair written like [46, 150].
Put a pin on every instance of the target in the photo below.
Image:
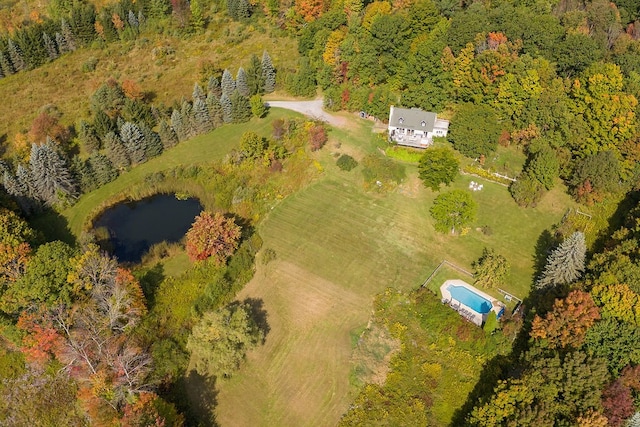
[197, 16]
[565, 264]
[219, 341]
[253, 146]
[167, 135]
[255, 81]
[45, 279]
[116, 152]
[614, 341]
[240, 108]
[544, 166]
[437, 166]
[527, 190]
[491, 269]
[474, 130]
[595, 176]
[258, 107]
[453, 210]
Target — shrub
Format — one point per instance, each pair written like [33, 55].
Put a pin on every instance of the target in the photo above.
[268, 255]
[317, 137]
[89, 65]
[346, 162]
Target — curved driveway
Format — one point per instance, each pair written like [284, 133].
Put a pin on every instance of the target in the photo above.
[311, 109]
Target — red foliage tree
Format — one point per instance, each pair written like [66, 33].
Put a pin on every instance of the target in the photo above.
[41, 339]
[617, 402]
[212, 236]
[317, 137]
[47, 125]
[150, 410]
[567, 324]
[132, 89]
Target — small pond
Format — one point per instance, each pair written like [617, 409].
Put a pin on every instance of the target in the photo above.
[136, 226]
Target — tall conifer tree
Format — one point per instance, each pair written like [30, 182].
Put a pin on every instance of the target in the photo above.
[268, 73]
[566, 263]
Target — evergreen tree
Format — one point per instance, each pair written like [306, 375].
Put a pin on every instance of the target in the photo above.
[102, 168]
[241, 82]
[227, 113]
[15, 54]
[240, 108]
[187, 119]
[268, 73]
[134, 141]
[83, 173]
[133, 21]
[116, 152]
[213, 87]
[167, 135]
[5, 65]
[566, 263]
[255, 82]
[227, 84]
[67, 35]
[201, 117]
[198, 93]
[26, 186]
[102, 124]
[141, 18]
[177, 124]
[152, 143]
[52, 180]
[61, 43]
[88, 137]
[50, 45]
[215, 110]
[20, 187]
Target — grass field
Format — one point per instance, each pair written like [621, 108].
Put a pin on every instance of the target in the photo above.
[166, 79]
[337, 246]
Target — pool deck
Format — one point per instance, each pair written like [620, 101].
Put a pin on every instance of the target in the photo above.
[465, 311]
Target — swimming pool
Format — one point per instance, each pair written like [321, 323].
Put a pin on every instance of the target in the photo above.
[470, 299]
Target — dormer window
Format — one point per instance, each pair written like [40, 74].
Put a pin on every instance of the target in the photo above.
[423, 123]
[400, 120]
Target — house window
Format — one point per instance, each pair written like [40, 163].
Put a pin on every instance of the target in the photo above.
[423, 123]
[400, 120]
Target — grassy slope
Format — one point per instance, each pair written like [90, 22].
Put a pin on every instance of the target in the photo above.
[169, 79]
[337, 247]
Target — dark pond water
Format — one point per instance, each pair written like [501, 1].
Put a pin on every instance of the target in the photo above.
[136, 226]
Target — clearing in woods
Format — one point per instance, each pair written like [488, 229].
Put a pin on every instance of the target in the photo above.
[338, 246]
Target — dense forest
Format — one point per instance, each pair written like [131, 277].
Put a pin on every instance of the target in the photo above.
[85, 340]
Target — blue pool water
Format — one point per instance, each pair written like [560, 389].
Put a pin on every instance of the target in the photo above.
[470, 299]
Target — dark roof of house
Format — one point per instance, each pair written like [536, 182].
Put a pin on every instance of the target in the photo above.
[413, 118]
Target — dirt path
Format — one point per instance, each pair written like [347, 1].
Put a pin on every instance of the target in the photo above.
[311, 109]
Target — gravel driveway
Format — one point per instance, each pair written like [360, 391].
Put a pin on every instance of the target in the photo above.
[311, 109]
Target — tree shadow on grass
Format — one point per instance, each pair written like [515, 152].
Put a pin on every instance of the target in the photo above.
[201, 398]
[52, 226]
[259, 315]
[150, 281]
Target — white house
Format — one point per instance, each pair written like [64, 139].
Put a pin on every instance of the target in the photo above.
[414, 127]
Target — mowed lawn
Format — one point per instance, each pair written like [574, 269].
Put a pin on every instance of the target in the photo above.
[338, 246]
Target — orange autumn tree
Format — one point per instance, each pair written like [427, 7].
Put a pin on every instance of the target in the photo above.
[212, 236]
[567, 323]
